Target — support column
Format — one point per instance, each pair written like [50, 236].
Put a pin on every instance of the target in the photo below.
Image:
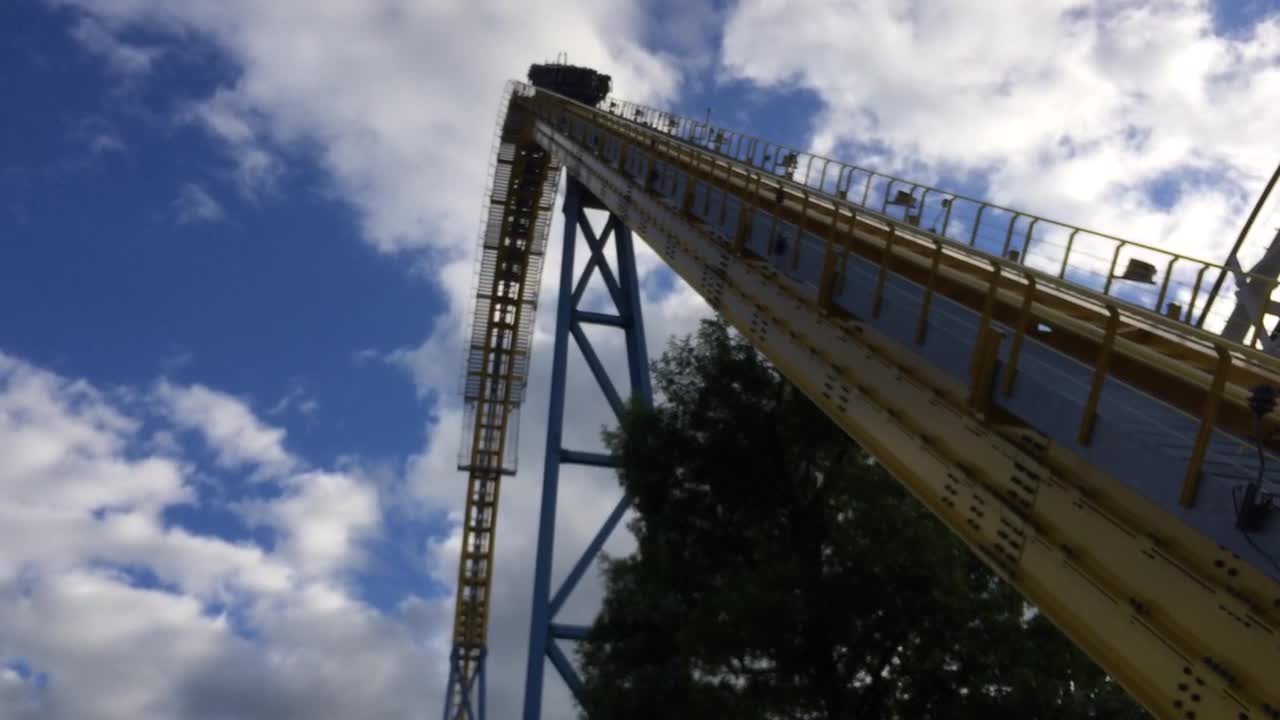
[625, 292]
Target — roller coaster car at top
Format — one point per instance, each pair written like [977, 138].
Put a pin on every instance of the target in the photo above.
[576, 83]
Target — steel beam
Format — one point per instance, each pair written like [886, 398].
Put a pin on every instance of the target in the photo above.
[1130, 584]
[520, 201]
[623, 289]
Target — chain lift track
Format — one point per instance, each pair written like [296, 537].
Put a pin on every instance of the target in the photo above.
[1084, 437]
[509, 271]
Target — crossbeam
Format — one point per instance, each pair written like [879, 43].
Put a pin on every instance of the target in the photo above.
[624, 291]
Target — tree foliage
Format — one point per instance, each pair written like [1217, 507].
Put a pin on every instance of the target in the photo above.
[781, 573]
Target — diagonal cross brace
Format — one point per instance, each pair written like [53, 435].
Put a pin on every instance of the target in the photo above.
[597, 369]
[597, 261]
[588, 555]
[472, 685]
[624, 290]
[565, 668]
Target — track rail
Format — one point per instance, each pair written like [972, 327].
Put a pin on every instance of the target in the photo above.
[508, 274]
[1186, 625]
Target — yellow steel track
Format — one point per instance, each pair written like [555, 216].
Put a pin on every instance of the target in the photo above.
[1186, 627]
[523, 189]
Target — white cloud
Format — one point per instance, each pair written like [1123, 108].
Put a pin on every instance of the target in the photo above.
[121, 57]
[99, 134]
[229, 427]
[396, 100]
[226, 115]
[53, 432]
[297, 400]
[194, 204]
[76, 606]
[1069, 110]
[324, 516]
[395, 96]
[106, 142]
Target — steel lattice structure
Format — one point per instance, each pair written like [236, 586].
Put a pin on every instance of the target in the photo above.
[624, 290]
[509, 270]
[1074, 425]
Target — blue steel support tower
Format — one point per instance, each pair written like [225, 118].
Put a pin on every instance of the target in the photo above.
[625, 292]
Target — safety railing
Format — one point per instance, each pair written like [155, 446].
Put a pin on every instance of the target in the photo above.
[1021, 296]
[474, 318]
[1166, 282]
[990, 229]
[475, 377]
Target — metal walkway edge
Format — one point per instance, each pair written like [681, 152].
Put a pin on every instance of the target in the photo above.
[522, 183]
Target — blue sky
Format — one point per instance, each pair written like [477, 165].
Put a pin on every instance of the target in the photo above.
[236, 255]
[127, 290]
[273, 301]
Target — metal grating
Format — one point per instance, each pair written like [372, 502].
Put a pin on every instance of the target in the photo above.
[507, 274]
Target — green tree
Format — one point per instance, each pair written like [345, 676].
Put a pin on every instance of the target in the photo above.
[781, 573]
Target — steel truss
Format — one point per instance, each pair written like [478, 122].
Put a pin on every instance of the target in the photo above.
[466, 676]
[624, 290]
[520, 200]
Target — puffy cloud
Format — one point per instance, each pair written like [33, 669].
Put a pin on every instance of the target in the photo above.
[111, 610]
[323, 516]
[1079, 111]
[105, 143]
[396, 100]
[121, 57]
[227, 116]
[194, 204]
[99, 135]
[296, 400]
[397, 97]
[227, 424]
[52, 434]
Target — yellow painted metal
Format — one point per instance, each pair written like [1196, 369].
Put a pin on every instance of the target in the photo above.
[831, 262]
[509, 262]
[801, 229]
[984, 321]
[1020, 334]
[982, 374]
[1170, 359]
[883, 274]
[922, 324]
[1183, 625]
[1191, 483]
[740, 238]
[1100, 366]
[1094, 241]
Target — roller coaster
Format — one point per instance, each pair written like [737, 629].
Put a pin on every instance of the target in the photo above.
[1049, 392]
